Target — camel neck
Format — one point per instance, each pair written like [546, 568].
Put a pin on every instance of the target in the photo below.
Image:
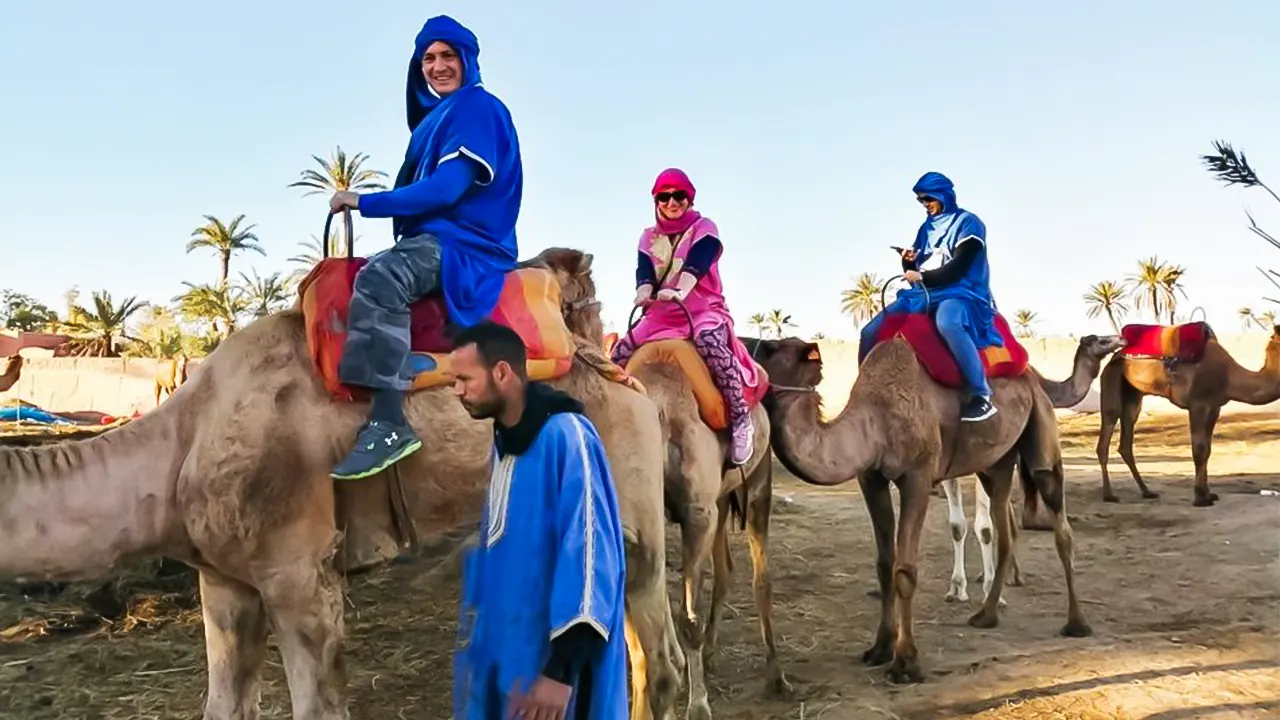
[74, 510]
[822, 453]
[1255, 387]
[1072, 391]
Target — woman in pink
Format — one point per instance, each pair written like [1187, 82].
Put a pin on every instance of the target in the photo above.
[678, 264]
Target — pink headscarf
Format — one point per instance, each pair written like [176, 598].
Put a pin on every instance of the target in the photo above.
[675, 179]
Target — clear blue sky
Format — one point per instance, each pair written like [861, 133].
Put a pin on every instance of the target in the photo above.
[1073, 130]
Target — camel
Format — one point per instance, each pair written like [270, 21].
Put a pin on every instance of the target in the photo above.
[701, 496]
[1063, 394]
[170, 374]
[12, 371]
[230, 475]
[901, 427]
[1201, 388]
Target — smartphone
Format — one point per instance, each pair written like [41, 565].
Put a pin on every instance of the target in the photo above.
[897, 249]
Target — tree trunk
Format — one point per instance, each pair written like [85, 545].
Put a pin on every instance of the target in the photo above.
[1112, 317]
[226, 267]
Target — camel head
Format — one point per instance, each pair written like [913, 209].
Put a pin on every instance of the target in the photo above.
[1100, 346]
[572, 269]
[181, 375]
[790, 361]
[12, 365]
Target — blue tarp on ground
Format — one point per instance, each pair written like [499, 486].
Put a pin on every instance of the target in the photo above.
[31, 414]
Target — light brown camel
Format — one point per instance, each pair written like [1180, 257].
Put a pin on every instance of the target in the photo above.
[901, 427]
[171, 373]
[700, 495]
[1200, 388]
[231, 476]
[1090, 353]
[12, 371]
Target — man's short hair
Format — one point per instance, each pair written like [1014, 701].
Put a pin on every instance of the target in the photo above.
[495, 343]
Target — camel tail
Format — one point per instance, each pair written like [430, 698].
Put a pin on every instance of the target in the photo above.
[1030, 491]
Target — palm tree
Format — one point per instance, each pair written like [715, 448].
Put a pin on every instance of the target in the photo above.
[1023, 320]
[95, 329]
[265, 295]
[778, 321]
[1233, 168]
[757, 321]
[862, 301]
[817, 336]
[1110, 298]
[1156, 286]
[340, 174]
[224, 240]
[213, 304]
[1248, 317]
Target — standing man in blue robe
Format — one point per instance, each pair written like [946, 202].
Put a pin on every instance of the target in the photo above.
[542, 620]
[951, 280]
[453, 210]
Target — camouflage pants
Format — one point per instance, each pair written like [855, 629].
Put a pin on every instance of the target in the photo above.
[376, 351]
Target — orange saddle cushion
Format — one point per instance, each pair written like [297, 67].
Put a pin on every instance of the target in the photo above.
[922, 335]
[529, 304]
[1185, 343]
[682, 355]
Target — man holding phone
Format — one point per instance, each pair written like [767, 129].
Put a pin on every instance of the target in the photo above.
[951, 281]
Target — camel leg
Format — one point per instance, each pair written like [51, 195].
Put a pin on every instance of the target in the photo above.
[875, 493]
[1052, 485]
[959, 590]
[1128, 419]
[982, 527]
[1109, 412]
[758, 512]
[1015, 574]
[698, 532]
[1203, 420]
[654, 677]
[235, 638]
[304, 600]
[721, 574]
[998, 483]
[914, 494]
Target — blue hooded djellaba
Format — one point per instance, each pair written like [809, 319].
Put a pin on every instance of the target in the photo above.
[478, 234]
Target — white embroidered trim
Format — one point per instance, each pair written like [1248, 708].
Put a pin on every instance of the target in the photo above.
[499, 498]
[464, 151]
[589, 542]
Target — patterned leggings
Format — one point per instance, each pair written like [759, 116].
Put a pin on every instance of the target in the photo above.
[715, 345]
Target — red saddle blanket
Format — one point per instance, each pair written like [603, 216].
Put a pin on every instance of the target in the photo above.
[529, 304]
[923, 337]
[1185, 343]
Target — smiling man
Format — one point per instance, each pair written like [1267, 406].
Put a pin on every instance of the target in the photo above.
[453, 210]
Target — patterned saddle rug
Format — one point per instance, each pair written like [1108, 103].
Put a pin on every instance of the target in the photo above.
[682, 355]
[529, 304]
[1183, 343]
[922, 335]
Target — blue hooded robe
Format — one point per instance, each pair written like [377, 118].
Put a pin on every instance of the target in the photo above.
[478, 234]
[550, 555]
[935, 244]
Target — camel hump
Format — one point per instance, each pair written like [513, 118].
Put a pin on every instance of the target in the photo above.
[1185, 343]
[683, 356]
[918, 330]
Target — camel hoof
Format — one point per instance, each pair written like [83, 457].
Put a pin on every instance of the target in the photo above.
[1150, 495]
[699, 711]
[1205, 501]
[780, 688]
[957, 595]
[878, 654]
[983, 619]
[1015, 581]
[1110, 498]
[905, 672]
[1076, 629]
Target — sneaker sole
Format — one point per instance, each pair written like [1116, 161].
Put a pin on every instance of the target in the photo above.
[401, 454]
[980, 418]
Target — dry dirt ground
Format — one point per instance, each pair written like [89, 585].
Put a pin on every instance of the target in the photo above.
[1185, 604]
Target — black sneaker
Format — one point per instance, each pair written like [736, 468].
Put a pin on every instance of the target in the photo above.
[378, 446]
[977, 409]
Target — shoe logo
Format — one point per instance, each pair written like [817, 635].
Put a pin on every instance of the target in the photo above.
[391, 438]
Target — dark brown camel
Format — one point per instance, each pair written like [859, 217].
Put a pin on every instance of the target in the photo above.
[12, 371]
[1200, 388]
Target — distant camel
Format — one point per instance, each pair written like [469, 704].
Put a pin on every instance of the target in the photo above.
[1186, 365]
[171, 373]
[12, 371]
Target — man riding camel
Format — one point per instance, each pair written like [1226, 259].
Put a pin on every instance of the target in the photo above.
[453, 210]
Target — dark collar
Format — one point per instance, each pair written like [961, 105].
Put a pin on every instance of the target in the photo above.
[540, 403]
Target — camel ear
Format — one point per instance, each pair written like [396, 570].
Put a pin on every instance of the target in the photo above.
[585, 265]
[814, 354]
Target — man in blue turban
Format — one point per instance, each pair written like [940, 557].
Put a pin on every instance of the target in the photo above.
[453, 210]
[951, 280]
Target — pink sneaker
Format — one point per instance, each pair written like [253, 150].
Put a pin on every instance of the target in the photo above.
[741, 448]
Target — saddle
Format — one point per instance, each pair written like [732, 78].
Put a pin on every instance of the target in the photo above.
[683, 356]
[920, 332]
[529, 304]
[1181, 343]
